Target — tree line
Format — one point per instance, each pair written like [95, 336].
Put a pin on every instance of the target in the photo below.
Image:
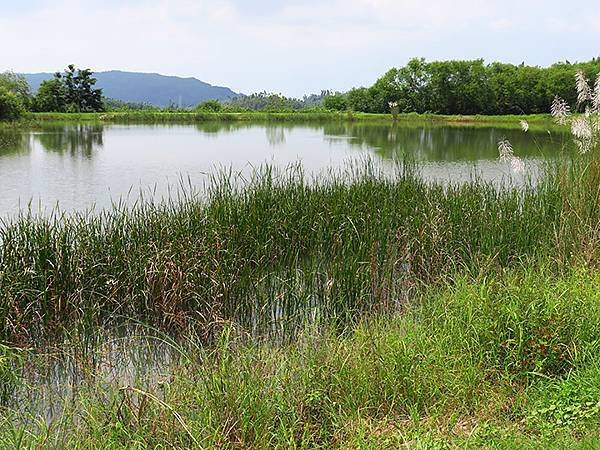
[266, 102]
[437, 87]
[70, 91]
[466, 87]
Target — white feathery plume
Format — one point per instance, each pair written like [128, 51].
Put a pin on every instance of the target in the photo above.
[596, 95]
[560, 110]
[505, 149]
[583, 134]
[517, 165]
[524, 125]
[581, 129]
[584, 146]
[584, 93]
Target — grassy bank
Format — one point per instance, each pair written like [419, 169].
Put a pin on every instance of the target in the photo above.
[510, 362]
[192, 117]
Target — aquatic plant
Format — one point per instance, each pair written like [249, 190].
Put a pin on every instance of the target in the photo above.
[272, 251]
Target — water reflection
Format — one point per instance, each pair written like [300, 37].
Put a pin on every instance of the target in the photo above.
[14, 142]
[420, 142]
[50, 381]
[275, 135]
[76, 140]
[444, 143]
[83, 165]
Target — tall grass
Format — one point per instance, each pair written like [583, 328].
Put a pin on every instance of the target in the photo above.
[480, 363]
[276, 251]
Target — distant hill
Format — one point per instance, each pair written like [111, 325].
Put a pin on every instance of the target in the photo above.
[152, 88]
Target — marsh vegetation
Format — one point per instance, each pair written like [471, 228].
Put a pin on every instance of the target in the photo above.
[367, 307]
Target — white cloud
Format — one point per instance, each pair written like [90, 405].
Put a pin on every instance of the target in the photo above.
[289, 46]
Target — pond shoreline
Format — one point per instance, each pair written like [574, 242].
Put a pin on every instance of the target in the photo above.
[191, 117]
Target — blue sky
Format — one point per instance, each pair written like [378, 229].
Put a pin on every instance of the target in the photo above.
[293, 47]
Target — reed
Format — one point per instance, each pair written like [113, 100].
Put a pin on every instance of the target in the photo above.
[275, 250]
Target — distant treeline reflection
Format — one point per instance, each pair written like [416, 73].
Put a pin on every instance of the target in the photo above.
[423, 142]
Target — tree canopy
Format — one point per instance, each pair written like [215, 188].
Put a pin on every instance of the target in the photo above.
[468, 87]
[14, 95]
[71, 91]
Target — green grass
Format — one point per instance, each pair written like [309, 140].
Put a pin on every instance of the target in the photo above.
[544, 120]
[509, 362]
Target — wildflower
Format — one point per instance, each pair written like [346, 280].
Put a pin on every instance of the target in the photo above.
[524, 125]
[584, 92]
[560, 110]
[393, 105]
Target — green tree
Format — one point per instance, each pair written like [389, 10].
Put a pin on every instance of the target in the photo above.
[51, 96]
[471, 87]
[413, 82]
[335, 102]
[17, 84]
[360, 99]
[80, 93]
[11, 106]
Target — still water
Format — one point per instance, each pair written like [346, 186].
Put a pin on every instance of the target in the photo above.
[89, 166]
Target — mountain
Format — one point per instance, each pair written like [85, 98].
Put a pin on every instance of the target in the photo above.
[152, 88]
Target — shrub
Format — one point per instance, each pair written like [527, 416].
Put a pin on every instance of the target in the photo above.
[11, 107]
[210, 106]
[336, 102]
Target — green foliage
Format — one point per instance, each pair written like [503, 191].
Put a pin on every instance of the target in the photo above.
[264, 101]
[11, 364]
[80, 94]
[14, 96]
[270, 102]
[51, 96]
[430, 377]
[11, 106]
[16, 84]
[210, 106]
[566, 403]
[470, 87]
[110, 104]
[335, 102]
[401, 313]
[72, 91]
[278, 235]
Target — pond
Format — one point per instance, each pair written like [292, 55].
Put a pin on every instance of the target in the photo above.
[89, 166]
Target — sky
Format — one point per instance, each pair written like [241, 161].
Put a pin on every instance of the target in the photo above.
[289, 47]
